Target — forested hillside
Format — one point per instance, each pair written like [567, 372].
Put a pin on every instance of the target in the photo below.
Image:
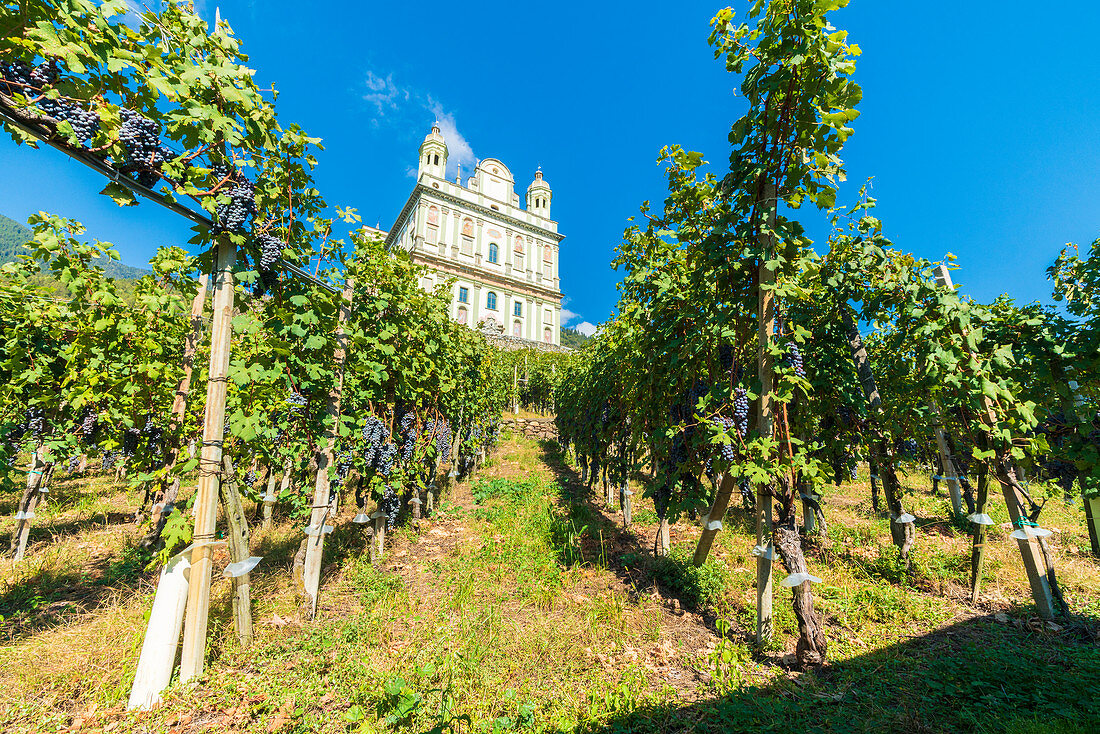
[13, 235]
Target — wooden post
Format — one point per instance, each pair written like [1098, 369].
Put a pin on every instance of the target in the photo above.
[36, 482]
[515, 389]
[322, 504]
[950, 472]
[237, 536]
[206, 497]
[1092, 504]
[269, 498]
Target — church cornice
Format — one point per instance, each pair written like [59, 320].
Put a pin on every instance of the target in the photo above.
[451, 268]
[444, 198]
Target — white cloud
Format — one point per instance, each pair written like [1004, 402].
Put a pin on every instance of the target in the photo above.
[459, 152]
[586, 328]
[567, 316]
[383, 93]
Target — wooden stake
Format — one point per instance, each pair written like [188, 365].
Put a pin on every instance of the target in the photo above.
[36, 481]
[766, 418]
[950, 471]
[206, 497]
[269, 498]
[322, 502]
[237, 536]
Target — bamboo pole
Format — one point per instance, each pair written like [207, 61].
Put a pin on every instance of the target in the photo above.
[237, 537]
[322, 502]
[206, 497]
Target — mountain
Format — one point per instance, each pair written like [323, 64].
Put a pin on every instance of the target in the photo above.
[13, 235]
[572, 338]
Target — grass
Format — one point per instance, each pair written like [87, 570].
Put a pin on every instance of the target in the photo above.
[524, 605]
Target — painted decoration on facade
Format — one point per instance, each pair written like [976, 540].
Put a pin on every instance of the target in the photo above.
[519, 245]
[494, 233]
[433, 216]
[468, 227]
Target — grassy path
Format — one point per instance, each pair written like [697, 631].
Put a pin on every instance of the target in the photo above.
[522, 605]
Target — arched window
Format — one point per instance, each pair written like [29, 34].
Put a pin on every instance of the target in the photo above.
[547, 335]
[494, 251]
[437, 160]
[491, 301]
[517, 329]
[462, 316]
[517, 254]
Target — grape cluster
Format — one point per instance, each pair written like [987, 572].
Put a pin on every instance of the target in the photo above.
[130, 442]
[725, 357]
[88, 425]
[741, 411]
[907, 448]
[74, 462]
[725, 450]
[109, 459]
[271, 249]
[154, 435]
[140, 136]
[443, 439]
[249, 478]
[36, 421]
[15, 76]
[85, 123]
[793, 358]
[296, 403]
[391, 505]
[747, 497]
[234, 214]
[409, 446]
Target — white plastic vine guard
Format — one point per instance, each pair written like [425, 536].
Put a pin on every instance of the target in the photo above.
[453, 474]
[714, 525]
[980, 518]
[416, 501]
[799, 578]
[761, 551]
[361, 518]
[44, 490]
[905, 518]
[1029, 532]
[199, 544]
[378, 514]
[628, 493]
[29, 515]
[240, 568]
[312, 529]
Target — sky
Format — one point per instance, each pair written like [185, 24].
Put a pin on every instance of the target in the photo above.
[980, 125]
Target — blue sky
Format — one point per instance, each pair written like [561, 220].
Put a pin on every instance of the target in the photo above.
[980, 125]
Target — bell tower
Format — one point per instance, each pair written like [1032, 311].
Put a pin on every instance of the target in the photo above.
[538, 196]
[433, 154]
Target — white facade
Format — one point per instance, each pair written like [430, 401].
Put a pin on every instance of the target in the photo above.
[503, 258]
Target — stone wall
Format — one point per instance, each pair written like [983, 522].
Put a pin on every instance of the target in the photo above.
[536, 428]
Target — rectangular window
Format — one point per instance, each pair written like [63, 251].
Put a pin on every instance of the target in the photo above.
[548, 316]
[517, 309]
[463, 295]
[433, 235]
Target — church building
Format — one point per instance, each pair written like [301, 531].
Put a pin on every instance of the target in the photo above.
[503, 257]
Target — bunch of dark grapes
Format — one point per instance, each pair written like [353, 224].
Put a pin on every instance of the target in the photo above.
[130, 442]
[907, 448]
[36, 421]
[74, 462]
[296, 403]
[250, 477]
[741, 411]
[85, 123]
[377, 436]
[748, 499]
[391, 505]
[140, 136]
[443, 439]
[154, 434]
[384, 465]
[109, 459]
[88, 425]
[271, 249]
[15, 76]
[234, 214]
[792, 358]
[726, 451]
[15, 435]
[725, 357]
